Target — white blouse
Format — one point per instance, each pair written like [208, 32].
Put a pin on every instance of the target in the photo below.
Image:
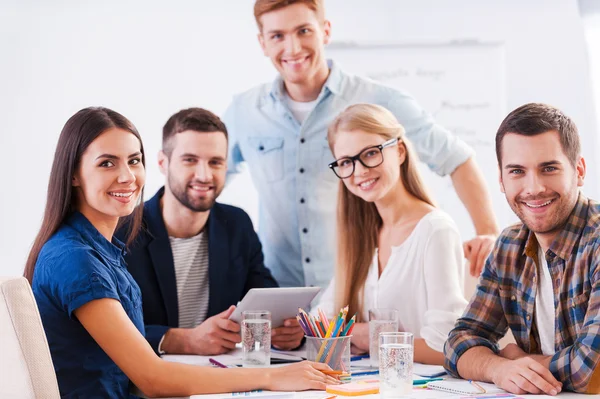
[423, 280]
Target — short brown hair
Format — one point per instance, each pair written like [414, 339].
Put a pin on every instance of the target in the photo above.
[196, 119]
[536, 118]
[262, 7]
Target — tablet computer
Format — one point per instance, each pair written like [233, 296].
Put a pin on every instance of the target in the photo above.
[283, 303]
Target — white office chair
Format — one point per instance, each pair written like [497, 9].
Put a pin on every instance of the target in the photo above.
[26, 369]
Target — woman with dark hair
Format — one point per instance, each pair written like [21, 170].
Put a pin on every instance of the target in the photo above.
[89, 303]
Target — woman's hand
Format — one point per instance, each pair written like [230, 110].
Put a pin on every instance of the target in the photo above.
[360, 337]
[300, 377]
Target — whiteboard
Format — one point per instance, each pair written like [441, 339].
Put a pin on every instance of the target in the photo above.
[463, 86]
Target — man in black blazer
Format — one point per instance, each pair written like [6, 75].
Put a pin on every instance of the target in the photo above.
[194, 258]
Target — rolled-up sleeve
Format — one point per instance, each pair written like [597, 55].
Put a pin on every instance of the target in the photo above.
[577, 365]
[235, 158]
[483, 322]
[440, 149]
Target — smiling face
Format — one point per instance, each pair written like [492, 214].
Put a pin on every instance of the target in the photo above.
[540, 184]
[293, 38]
[370, 184]
[110, 176]
[196, 169]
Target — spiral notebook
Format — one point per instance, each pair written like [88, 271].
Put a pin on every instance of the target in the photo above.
[463, 387]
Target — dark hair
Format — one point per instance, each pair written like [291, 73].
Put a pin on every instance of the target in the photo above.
[536, 118]
[196, 119]
[262, 7]
[77, 134]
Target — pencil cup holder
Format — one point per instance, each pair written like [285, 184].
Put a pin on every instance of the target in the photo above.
[334, 352]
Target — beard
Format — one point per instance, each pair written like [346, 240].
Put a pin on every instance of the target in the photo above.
[181, 193]
[561, 208]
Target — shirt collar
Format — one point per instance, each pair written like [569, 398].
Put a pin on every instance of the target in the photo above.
[332, 84]
[567, 238]
[113, 251]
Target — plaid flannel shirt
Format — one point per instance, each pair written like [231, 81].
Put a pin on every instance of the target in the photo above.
[505, 298]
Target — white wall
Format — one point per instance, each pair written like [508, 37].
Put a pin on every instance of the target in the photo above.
[148, 59]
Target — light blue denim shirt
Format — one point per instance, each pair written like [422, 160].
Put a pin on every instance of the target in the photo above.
[288, 164]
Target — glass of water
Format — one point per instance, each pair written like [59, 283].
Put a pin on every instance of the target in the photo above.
[256, 338]
[395, 364]
[380, 321]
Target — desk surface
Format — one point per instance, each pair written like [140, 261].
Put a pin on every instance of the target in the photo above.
[418, 393]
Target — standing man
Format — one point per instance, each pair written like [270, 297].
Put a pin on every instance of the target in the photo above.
[543, 278]
[195, 258]
[280, 130]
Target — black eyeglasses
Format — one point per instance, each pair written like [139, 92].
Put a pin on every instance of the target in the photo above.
[370, 157]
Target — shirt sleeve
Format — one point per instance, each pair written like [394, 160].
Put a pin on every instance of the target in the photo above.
[483, 323]
[235, 158]
[441, 150]
[80, 277]
[577, 365]
[444, 276]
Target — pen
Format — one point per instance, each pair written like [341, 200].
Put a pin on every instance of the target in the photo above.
[358, 357]
[216, 363]
[334, 372]
[365, 373]
[426, 380]
[481, 389]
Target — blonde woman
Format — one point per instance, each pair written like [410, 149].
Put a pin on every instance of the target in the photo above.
[395, 249]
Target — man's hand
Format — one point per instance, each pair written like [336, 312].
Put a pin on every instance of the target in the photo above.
[512, 352]
[477, 250]
[288, 336]
[217, 335]
[525, 375]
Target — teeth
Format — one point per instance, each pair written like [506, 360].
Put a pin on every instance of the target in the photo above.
[200, 188]
[367, 183]
[538, 206]
[124, 195]
[295, 61]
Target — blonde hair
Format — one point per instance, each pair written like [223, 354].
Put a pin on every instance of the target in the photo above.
[262, 7]
[358, 221]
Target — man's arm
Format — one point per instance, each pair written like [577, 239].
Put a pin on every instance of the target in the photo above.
[215, 336]
[471, 189]
[234, 158]
[471, 349]
[521, 376]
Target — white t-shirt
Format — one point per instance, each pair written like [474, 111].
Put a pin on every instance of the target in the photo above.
[544, 306]
[423, 280]
[300, 110]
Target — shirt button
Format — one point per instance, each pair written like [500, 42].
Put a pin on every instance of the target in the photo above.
[301, 170]
[302, 200]
[260, 148]
[513, 298]
[302, 140]
[534, 279]
[307, 260]
[528, 317]
[305, 230]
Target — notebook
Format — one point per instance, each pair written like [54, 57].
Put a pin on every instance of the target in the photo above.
[354, 388]
[463, 387]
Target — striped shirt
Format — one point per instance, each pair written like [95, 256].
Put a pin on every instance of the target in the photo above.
[505, 298]
[190, 257]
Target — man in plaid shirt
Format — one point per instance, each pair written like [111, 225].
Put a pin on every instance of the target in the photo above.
[542, 279]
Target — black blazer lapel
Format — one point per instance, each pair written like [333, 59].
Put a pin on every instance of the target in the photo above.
[218, 261]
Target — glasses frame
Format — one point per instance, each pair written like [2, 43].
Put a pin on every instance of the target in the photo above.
[356, 157]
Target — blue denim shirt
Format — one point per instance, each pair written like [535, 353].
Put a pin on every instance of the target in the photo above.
[78, 265]
[288, 164]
